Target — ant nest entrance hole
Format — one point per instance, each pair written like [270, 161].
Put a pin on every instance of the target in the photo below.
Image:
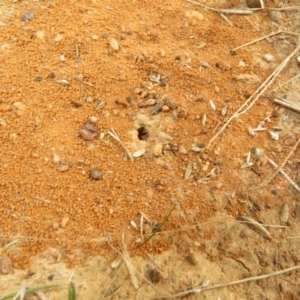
[143, 133]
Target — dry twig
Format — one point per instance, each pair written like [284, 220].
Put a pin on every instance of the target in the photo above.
[251, 101]
[225, 11]
[284, 174]
[199, 289]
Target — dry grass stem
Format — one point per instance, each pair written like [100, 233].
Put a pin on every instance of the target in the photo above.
[130, 268]
[225, 11]
[42, 199]
[286, 82]
[113, 134]
[256, 40]
[251, 101]
[287, 104]
[285, 160]
[200, 288]
[284, 174]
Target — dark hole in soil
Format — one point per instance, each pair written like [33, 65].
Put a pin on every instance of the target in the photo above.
[143, 134]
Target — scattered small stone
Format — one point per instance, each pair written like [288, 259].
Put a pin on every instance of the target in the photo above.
[28, 16]
[163, 82]
[58, 38]
[218, 162]
[201, 145]
[40, 35]
[177, 57]
[95, 37]
[62, 58]
[51, 75]
[188, 172]
[56, 159]
[96, 174]
[63, 168]
[50, 277]
[155, 276]
[255, 3]
[148, 102]
[55, 225]
[64, 222]
[192, 259]
[88, 132]
[172, 105]
[93, 119]
[269, 57]
[165, 108]
[129, 32]
[79, 77]
[241, 64]
[247, 78]
[157, 150]
[104, 35]
[182, 150]
[38, 78]
[5, 265]
[114, 44]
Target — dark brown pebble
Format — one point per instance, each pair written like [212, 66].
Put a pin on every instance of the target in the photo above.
[155, 276]
[88, 132]
[50, 277]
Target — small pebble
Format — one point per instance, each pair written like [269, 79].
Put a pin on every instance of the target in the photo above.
[58, 38]
[28, 16]
[95, 37]
[64, 222]
[56, 159]
[51, 75]
[40, 35]
[63, 168]
[88, 132]
[114, 44]
[165, 108]
[93, 119]
[79, 77]
[182, 150]
[50, 277]
[96, 174]
[38, 78]
[157, 150]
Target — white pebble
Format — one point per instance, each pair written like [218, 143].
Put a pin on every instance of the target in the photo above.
[56, 159]
[93, 119]
[40, 35]
[269, 58]
[95, 37]
[114, 44]
[58, 37]
[62, 58]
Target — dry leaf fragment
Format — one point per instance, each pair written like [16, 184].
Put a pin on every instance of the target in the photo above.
[274, 135]
[257, 226]
[188, 172]
[116, 262]
[203, 119]
[139, 153]
[212, 105]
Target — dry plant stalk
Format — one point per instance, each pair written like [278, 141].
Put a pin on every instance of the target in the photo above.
[285, 175]
[254, 97]
[225, 11]
[279, 169]
[286, 104]
[199, 289]
[255, 41]
[129, 266]
[257, 227]
[113, 134]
